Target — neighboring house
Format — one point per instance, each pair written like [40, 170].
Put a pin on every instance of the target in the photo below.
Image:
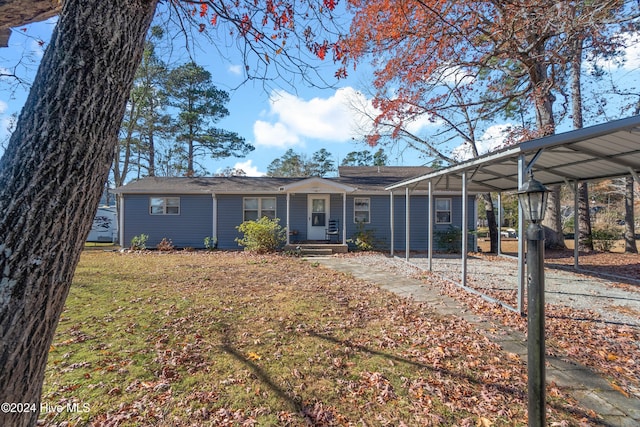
[186, 210]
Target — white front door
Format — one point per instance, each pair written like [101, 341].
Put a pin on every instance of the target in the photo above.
[317, 216]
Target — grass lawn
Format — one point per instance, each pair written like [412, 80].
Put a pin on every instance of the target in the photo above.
[236, 339]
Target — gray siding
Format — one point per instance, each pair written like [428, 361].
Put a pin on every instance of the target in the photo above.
[230, 215]
[188, 229]
[419, 218]
[196, 219]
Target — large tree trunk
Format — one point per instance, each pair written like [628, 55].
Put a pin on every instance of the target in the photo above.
[51, 178]
[583, 227]
[629, 218]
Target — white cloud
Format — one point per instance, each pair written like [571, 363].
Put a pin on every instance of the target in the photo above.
[235, 69]
[344, 115]
[492, 139]
[296, 119]
[248, 168]
[274, 135]
[3, 106]
[631, 52]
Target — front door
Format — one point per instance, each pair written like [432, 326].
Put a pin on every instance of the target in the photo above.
[317, 216]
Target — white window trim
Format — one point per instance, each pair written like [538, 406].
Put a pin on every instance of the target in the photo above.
[275, 206]
[361, 210]
[164, 205]
[450, 210]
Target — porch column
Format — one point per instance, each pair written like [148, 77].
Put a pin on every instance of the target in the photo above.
[407, 223]
[344, 218]
[288, 228]
[430, 227]
[214, 220]
[121, 219]
[464, 226]
[391, 221]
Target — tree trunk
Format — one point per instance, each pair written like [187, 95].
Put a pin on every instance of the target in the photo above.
[629, 219]
[585, 242]
[491, 222]
[554, 239]
[583, 227]
[51, 178]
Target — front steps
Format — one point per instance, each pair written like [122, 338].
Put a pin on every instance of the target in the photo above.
[317, 249]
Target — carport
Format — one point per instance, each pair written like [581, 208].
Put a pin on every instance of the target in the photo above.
[603, 151]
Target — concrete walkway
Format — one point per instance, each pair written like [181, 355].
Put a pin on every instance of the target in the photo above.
[590, 390]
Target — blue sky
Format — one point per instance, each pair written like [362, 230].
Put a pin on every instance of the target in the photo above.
[274, 119]
[287, 115]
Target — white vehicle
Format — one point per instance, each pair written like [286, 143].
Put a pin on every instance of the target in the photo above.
[105, 225]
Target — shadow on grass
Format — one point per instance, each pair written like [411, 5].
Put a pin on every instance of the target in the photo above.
[298, 407]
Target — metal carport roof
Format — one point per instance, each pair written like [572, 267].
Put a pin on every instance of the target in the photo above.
[603, 151]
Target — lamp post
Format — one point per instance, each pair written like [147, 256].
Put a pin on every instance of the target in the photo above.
[533, 199]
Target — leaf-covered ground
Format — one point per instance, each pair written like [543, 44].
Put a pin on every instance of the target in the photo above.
[236, 339]
[579, 335]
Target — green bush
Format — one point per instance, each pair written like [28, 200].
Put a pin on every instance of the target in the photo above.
[363, 239]
[210, 243]
[449, 240]
[604, 238]
[263, 235]
[139, 243]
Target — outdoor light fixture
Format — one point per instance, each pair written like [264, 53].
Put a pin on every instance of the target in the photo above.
[533, 199]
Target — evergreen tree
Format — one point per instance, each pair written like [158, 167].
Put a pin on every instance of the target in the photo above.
[200, 105]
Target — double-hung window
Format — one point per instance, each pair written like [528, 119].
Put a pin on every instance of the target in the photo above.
[443, 211]
[257, 207]
[362, 210]
[164, 205]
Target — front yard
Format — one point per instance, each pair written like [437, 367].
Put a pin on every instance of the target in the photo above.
[236, 339]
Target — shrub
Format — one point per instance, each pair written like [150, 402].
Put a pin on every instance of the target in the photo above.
[263, 235]
[449, 240]
[139, 243]
[165, 245]
[604, 238]
[364, 240]
[210, 243]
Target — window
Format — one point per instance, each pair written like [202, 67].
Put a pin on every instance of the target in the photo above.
[164, 205]
[257, 207]
[362, 210]
[443, 211]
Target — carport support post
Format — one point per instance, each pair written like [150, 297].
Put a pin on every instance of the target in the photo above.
[430, 228]
[535, 325]
[407, 222]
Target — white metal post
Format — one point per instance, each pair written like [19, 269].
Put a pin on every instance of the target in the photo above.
[576, 226]
[344, 217]
[464, 226]
[407, 223]
[499, 224]
[430, 228]
[288, 227]
[521, 237]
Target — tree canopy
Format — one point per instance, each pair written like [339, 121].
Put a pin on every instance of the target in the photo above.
[293, 164]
